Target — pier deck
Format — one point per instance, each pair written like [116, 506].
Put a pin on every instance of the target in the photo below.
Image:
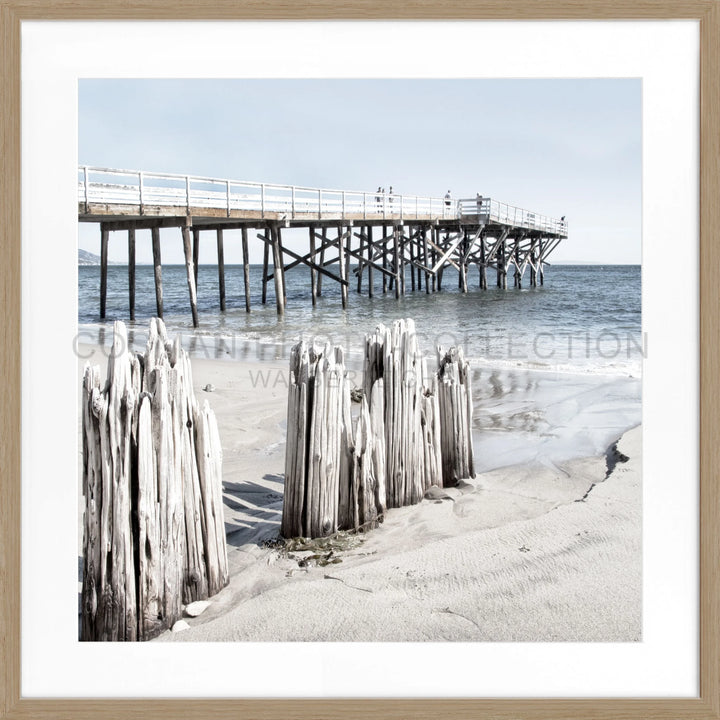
[381, 232]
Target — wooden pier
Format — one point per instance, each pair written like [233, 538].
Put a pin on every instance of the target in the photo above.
[384, 236]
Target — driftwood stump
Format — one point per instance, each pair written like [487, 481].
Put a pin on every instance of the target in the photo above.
[456, 412]
[154, 536]
[414, 430]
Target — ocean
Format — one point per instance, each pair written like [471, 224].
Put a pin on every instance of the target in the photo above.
[556, 369]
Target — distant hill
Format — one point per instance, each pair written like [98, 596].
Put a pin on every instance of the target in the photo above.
[88, 258]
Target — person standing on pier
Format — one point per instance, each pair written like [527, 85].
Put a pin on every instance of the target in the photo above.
[479, 203]
[448, 199]
[390, 194]
[378, 197]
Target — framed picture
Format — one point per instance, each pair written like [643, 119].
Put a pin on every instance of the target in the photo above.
[557, 556]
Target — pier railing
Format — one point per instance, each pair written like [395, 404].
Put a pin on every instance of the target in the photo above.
[487, 209]
[128, 187]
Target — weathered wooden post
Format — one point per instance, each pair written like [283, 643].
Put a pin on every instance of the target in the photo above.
[246, 268]
[393, 355]
[266, 253]
[190, 270]
[533, 266]
[318, 418]
[342, 267]
[323, 243]
[221, 267]
[154, 534]
[131, 271]
[409, 434]
[313, 272]
[157, 267]
[196, 253]
[456, 411]
[483, 264]
[278, 270]
[104, 241]
[370, 254]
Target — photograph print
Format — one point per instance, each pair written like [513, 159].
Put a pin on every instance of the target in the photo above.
[359, 360]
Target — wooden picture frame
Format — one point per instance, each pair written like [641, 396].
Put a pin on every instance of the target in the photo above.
[12, 705]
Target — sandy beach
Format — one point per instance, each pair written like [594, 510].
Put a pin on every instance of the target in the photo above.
[526, 552]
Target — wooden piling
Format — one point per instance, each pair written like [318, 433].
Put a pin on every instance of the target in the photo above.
[412, 261]
[393, 355]
[266, 252]
[533, 270]
[396, 260]
[370, 254]
[384, 259]
[402, 239]
[313, 273]
[360, 262]
[483, 265]
[348, 249]
[317, 422]
[425, 258]
[413, 430]
[277, 270]
[322, 261]
[433, 255]
[221, 267]
[104, 241]
[246, 268]
[196, 254]
[189, 267]
[342, 266]
[157, 267]
[281, 258]
[456, 412]
[152, 482]
[131, 271]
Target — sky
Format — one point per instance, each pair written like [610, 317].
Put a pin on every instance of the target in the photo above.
[555, 147]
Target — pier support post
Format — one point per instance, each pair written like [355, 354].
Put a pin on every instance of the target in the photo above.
[281, 258]
[323, 242]
[157, 267]
[411, 243]
[104, 239]
[246, 268]
[483, 266]
[403, 239]
[502, 265]
[396, 260]
[541, 269]
[131, 271]
[360, 262]
[189, 266]
[348, 248]
[384, 259]
[313, 272]
[196, 254]
[370, 254]
[266, 252]
[433, 256]
[533, 271]
[221, 268]
[463, 262]
[277, 270]
[342, 266]
[425, 258]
